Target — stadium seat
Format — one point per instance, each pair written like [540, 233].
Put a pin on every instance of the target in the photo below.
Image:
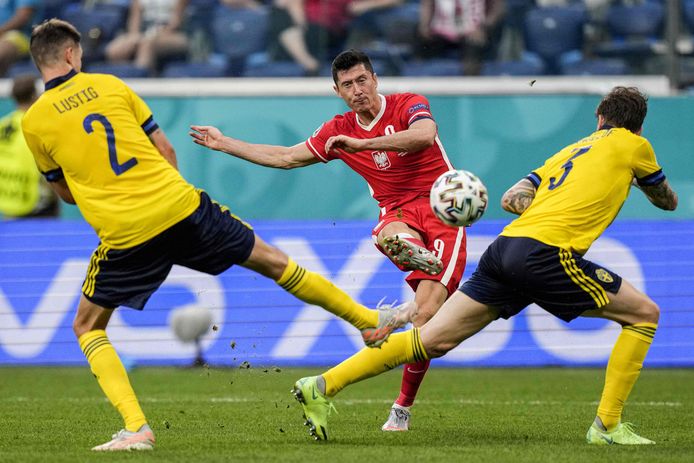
[634, 30]
[529, 65]
[274, 69]
[22, 67]
[552, 31]
[189, 69]
[98, 25]
[433, 67]
[125, 71]
[595, 67]
[688, 14]
[239, 33]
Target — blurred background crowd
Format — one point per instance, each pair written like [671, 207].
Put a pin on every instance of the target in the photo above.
[293, 38]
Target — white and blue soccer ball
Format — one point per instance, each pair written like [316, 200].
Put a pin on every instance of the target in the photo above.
[458, 198]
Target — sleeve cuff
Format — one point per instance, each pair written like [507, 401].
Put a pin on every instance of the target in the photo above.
[534, 179]
[652, 179]
[149, 125]
[54, 175]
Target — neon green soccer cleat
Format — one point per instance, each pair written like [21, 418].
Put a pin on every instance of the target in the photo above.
[623, 434]
[316, 407]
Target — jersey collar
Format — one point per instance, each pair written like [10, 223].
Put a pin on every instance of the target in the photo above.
[377, 118]
[606, 127]
[59, 80]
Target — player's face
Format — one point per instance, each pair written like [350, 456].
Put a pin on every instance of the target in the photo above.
[358, 87]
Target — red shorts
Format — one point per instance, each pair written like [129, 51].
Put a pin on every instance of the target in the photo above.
[448, 243]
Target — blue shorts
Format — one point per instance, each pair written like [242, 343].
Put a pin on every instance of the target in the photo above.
[209, 240]
[515, 272]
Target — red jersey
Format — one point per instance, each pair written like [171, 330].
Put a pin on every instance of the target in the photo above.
[393, 178]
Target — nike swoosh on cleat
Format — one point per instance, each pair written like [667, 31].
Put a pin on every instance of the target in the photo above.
[415, 371]
[607, 439]
[313, 393]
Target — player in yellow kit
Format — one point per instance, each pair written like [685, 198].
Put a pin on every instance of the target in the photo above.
[99, 146]
[564, 206]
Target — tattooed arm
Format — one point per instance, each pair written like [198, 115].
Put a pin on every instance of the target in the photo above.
[518, 198]
[660, 195]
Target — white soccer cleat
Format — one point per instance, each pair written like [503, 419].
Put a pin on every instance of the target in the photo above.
[390, 318]
[410, 256]
[398, 420]
[143, 439]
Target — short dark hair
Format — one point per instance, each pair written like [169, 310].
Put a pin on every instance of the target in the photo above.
[49, 38]
[624, 107]
[348, 59]
[24, 88]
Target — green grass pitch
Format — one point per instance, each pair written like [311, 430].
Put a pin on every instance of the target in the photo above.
[472, 415]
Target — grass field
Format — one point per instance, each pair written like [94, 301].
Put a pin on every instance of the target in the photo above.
[519, 415]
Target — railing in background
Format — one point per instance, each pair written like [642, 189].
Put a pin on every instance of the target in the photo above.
[42, 266]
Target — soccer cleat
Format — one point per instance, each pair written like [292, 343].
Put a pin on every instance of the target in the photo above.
[390, 318]
[623, 434]
[316, 407]
[143, 439]
[410, 256]
[398, 420]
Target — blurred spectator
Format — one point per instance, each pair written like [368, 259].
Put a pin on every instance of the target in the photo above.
[312, 31]
[23, 190]
[153, 32]
[15, 26]
[470, 29]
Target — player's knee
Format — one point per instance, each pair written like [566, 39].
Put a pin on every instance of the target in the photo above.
[81, 326]
[438, 349]
[425, 311]
[649, 311]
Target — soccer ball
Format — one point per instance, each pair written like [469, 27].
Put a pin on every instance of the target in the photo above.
[458, 198]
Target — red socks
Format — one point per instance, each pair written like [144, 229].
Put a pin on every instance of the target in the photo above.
[412, 377]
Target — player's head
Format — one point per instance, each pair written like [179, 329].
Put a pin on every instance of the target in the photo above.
[347, 60]
[24, 89]
[355, 80]
[56, 43]
[624, 107]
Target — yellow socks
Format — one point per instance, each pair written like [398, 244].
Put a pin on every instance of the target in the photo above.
[623, 370]
[314, 289]
[400, 348]
[113, 379]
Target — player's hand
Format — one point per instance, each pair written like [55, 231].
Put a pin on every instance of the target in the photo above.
[207, 136]
[344, 143]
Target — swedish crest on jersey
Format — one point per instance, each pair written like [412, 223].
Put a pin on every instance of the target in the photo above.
[604, 275]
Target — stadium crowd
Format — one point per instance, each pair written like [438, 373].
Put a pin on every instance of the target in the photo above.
[293, 38]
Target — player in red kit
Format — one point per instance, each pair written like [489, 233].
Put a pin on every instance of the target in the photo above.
[392, 142]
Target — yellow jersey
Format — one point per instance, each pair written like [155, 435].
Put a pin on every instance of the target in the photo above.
[19, 179]
[581, 189]
[93, 130]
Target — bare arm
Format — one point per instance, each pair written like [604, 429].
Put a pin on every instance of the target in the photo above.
[421, 134]
[660, 195]
[518, 198]
[61, 189]
[178, 15]
[358, 7]
[281, 157]
[164, 146]
[135, 17]
[18, 20]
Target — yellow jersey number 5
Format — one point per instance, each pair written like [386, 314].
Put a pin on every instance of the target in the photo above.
[567, 166]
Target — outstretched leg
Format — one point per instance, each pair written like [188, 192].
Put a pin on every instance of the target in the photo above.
[315, 289]
[459, 318]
